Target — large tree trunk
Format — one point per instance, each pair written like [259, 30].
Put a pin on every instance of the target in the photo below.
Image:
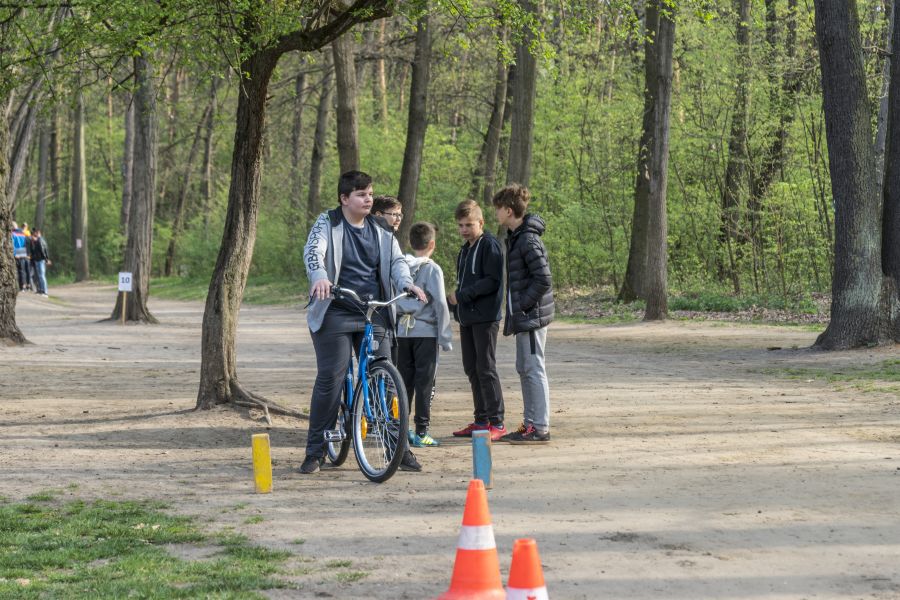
[218, 369]
[518, 169]
[657, 222]
[737, 167]
[417, 124]
[317, 156]
[9, 286]
[79, 198]
[139, 249]
[635, 272]
[485, 174]
[347, 119]
[127, 164]
[856, 298]
[184, 190]
[890, 243]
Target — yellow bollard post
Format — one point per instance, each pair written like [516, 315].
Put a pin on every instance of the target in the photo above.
[262, 463]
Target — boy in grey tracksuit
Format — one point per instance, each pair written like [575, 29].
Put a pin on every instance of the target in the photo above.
[422, 331]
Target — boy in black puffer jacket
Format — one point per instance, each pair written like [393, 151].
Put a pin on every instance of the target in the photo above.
[529, 308]
[477, 302]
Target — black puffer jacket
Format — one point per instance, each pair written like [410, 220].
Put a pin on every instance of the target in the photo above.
[529, 303]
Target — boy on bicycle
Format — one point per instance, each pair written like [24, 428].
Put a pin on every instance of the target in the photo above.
[347, 247]
[529, 308]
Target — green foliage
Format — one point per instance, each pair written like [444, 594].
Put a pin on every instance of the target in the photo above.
[116, 549]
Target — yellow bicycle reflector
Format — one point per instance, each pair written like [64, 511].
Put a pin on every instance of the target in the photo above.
[395, 407]
[363, 428]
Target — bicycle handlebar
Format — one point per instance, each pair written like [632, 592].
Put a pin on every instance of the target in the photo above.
[337, 291]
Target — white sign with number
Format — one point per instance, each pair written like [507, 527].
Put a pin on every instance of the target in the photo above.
[124, 282]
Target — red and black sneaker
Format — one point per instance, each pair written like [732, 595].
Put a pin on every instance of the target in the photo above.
[531, 436]
[468, 429]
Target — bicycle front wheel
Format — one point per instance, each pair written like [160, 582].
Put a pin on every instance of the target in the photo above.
[379, 438]
[337, 451]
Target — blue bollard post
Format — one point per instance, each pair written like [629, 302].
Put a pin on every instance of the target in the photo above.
[481, 457]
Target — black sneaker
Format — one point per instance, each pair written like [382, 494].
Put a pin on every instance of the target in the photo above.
[409, 463]
[530, 436]
[311, 464]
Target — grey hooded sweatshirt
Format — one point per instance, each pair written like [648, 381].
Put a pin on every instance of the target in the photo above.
[432, 320]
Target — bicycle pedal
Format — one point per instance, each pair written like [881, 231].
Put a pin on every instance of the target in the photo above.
[334, 435]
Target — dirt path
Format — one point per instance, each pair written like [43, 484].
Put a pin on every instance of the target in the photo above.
[680, 467]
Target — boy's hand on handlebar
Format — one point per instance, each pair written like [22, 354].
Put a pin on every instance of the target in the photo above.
[416, 291]
[320, 289]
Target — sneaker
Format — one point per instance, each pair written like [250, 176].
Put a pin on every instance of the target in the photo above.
[311, 464]
[497, 432]
[411, 437]
[522, 429]
[409, 463]
[423, 440]
[468, 429]
[532, 436]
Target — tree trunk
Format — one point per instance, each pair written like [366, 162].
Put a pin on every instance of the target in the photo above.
[380, 87]
[737, 167]
[21, 148]
[856, 318]
[43, 175]
[486, 170]
[657, 222]
[54, 154]
[296, 213]
[79, 196]
[518, 169]
[317, 156]
[128, 165]
[890, 243]
[9, 285]
[184, 190]
[882, 127]
[218, 370]
[206, 185]
[417, 124]
[347, 120]
[139, 249]
[635, 272]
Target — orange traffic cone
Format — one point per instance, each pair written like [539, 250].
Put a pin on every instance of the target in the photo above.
[526, 577]
[476, 572]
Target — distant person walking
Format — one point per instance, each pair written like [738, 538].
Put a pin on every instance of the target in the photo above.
[22, 255]
[40, 260]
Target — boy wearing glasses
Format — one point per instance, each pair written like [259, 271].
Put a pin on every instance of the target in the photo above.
[389, 210]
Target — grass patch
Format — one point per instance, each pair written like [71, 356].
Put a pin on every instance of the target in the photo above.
[259, 290]
[106, 549]
[719, 302]
[870, 378]
[351, 576]
[339, 564]
[254, 520]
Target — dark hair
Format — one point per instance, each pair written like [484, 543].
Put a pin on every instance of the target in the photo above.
[351, 181]
[383, 204]
[420, 235]
[468, 208]
[515, 197]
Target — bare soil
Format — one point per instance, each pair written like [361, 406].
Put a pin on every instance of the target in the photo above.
[684, 463]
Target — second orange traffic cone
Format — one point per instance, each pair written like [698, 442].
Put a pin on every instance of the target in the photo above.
[526, 577]
[476, 572]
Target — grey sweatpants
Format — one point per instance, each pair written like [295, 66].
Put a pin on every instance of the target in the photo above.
[533, 375]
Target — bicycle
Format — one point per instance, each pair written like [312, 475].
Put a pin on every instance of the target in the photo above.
[374, 410]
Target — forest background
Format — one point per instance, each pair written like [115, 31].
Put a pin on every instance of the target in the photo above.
[747, 219]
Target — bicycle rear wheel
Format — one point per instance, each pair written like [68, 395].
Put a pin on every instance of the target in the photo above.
[380, 441]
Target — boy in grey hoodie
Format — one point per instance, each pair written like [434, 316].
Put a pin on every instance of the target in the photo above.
[422, 330]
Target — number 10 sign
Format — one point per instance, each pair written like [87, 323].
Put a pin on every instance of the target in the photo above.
[124, 282]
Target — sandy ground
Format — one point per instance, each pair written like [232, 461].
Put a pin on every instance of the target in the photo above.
[682, 465]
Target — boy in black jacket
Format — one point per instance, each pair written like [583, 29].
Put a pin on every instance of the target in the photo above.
[529, 308]
[476, 305]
